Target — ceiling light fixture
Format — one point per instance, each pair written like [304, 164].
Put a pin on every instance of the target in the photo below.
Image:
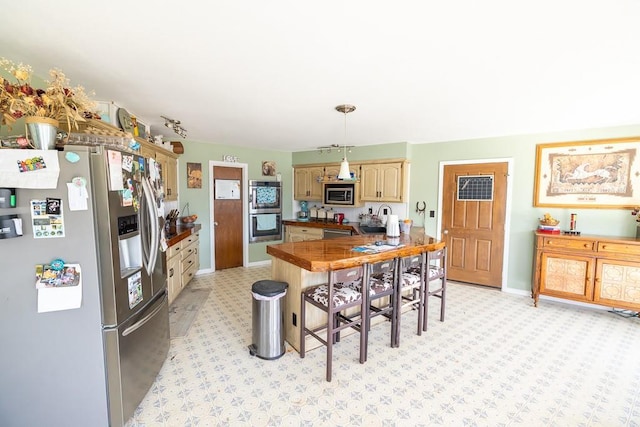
[344, 166]
[174, 125]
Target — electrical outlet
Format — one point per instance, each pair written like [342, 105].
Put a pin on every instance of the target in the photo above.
[294, 320]
[432, 214]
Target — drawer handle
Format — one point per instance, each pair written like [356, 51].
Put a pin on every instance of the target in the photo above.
[586, 245]
[604, 246]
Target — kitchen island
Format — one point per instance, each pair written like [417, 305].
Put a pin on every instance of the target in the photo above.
[304, 264]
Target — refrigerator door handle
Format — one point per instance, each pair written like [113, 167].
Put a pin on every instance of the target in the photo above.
[144, 320]
[151, 214]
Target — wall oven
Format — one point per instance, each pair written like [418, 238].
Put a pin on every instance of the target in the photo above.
[265, 196]
[265, 211]
[265, 227]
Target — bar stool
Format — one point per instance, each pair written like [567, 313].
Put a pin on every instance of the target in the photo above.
[344, 290]
[436, 282]
[383, 281]
[411, 288]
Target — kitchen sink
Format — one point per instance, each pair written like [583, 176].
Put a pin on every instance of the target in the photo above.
[372, 229]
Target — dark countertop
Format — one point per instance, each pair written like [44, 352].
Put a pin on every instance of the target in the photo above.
[353, 226]
[181, 231]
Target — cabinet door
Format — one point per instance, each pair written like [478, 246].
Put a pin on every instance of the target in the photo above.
[390, 182]
[617, 284]
[567, 276]
[369, 177]
[306, 184]
[168, 168]
[147, 152]
[174, 281]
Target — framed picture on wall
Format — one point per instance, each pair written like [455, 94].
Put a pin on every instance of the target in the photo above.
[268, 168]
[588, 174]
[194, 175]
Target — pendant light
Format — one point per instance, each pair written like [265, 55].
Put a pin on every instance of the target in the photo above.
[344, 166]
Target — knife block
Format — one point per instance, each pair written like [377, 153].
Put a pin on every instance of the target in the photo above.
[171, 226]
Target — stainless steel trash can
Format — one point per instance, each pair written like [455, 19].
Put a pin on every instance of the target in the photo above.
[267, 319]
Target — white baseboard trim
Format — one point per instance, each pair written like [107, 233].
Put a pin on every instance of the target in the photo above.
[259, 263]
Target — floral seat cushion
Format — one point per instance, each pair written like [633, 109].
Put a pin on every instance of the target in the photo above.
[343, 293]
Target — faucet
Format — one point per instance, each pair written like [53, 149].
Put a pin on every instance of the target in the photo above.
[384, 205]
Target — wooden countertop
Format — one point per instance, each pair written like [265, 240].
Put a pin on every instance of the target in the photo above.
[335, 254]
[181, 231]
[323, 224]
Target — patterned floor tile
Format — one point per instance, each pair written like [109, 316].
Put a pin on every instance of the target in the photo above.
[495, 361]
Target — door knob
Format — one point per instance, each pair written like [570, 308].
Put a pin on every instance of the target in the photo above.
[445, 232]
[215, 223]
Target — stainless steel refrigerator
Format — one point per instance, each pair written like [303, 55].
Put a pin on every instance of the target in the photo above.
[92, 365]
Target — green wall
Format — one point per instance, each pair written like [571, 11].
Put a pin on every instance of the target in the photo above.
[521, 150]
[198, 199]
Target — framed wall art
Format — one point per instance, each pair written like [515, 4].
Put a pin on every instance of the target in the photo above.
[588, 174]
[268, 168]
[194, 175]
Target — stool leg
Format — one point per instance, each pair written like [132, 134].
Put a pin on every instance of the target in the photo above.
[303, 335]
[442, 296]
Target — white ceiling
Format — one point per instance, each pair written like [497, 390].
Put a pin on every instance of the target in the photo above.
[269, 73]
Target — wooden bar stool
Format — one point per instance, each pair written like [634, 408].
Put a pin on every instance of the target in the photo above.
[343, 290]
[411, 289]
[436, 281]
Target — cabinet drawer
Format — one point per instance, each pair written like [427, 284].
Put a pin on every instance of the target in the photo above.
[315, 232]
[558, 242]
[620, 248]
[174, 250]
[189, 250]
[188, 274]
[188, 262]
[189, 240]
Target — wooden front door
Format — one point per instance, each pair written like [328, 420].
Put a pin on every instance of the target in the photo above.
[227, 221]
[473, 221]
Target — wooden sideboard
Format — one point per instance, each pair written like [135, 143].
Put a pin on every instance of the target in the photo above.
[591, 269]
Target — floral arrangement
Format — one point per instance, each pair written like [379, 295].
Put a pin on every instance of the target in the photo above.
[636, 212]
[58, 101]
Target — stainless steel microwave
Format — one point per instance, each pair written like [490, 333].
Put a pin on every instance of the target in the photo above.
[341, 194]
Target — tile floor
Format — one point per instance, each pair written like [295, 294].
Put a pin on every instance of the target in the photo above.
[495, 361]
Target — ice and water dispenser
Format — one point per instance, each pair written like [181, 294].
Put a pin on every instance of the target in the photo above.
[130, 245]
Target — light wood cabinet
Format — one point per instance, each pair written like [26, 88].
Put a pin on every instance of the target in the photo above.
[168, 161]
[190, 258]
[382, 182]
[300, 234]
[182, 263]
[307, 183]
[169, 170]
[592, 269]
[332, 171]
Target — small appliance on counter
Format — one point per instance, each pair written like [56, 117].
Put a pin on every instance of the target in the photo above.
[303, 214]
[393, 226]
[313, 213]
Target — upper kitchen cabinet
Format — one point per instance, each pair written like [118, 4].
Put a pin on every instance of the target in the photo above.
[169, 169]
[168, 166]
[383, 182]
[332, 171]
[307, 183]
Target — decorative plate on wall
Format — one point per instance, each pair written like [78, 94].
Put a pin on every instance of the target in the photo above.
[124, 119]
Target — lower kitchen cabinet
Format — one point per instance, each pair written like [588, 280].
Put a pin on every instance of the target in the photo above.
[300, 234]
[592, 269]
[182, 263]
